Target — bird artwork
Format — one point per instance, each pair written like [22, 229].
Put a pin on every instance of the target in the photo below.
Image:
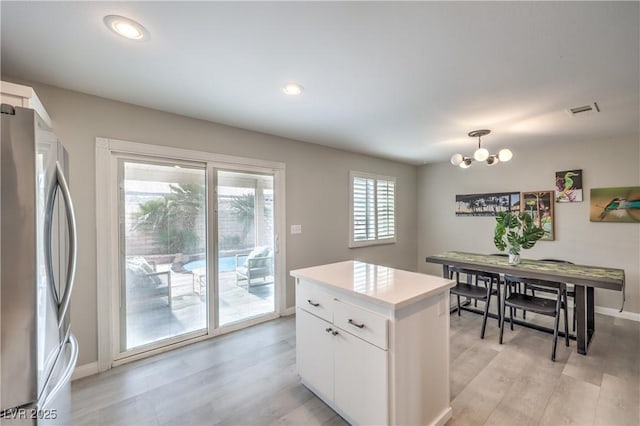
[618, 204]
[569, 186]
[615, 204]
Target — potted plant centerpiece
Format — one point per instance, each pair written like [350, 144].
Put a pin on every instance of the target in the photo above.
[515, 232]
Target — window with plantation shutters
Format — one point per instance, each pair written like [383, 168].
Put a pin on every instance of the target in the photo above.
[373, 209]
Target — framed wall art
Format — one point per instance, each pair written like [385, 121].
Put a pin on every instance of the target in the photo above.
[487, 204]
[615, 204]
[539, 205]
[569, 186]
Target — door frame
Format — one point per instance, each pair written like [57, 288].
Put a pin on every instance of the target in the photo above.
[107, 153]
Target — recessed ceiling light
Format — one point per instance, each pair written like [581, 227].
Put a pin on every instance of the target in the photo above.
[125, 27]
[292, 89]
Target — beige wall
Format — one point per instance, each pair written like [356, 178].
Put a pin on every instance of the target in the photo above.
[605, 163]
[316, 187]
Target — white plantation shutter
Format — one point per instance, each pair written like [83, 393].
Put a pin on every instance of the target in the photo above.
[386, 206]
[373, 219]
[364, 204]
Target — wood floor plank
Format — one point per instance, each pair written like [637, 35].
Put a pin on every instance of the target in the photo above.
[618, 402]
[249, 377]
[573, 402]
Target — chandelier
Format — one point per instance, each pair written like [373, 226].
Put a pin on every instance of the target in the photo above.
[481, 154]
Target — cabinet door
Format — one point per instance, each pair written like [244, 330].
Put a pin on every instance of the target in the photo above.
[361, 380]
[314, 353]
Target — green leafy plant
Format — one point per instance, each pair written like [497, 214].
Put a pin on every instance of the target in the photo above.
[172, 219]
[242, 207]
[516, 231]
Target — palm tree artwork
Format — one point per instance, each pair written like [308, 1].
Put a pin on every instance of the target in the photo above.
[539, 206]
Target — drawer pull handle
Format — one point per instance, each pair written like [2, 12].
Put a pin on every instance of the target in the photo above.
[352, 322]
[335, 332]
[313, 303]
[328, 330]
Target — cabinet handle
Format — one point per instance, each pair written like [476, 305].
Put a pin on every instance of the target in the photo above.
[335, 332]
[352, 322]
[313, 303]
[328, 330]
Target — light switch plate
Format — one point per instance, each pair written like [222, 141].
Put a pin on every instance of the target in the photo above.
[296, 229]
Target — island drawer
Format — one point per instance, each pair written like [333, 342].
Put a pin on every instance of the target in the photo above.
[314, 300]
[362, 323]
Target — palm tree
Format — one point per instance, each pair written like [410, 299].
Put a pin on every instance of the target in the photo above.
[172, 219]
[243, 208]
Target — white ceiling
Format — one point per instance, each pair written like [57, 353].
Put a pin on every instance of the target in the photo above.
[406, 81]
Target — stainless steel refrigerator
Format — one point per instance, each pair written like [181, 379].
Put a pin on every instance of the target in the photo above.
[38, 253]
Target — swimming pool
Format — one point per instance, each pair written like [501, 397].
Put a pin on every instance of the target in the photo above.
[226, 264]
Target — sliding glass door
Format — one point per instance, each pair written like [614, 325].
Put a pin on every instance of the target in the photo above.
[163, 252]
[197, 251]
[245, 255]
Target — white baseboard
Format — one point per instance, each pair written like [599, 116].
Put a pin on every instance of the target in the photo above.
[289, 311]
[633, 316]
[85, 370]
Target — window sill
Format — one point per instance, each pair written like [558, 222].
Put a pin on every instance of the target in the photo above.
[358, 244]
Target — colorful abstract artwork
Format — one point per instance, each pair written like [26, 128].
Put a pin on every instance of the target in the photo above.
[487, 204]
[539, 205]
[569, 186]
[615, 204]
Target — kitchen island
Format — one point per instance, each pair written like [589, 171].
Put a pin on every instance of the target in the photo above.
[373, 342]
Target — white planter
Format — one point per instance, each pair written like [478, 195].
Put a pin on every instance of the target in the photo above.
[514, 259]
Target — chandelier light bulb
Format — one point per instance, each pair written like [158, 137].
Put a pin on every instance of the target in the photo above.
[505, 155]
[481, 154]
[493, 160]
[456, 159]
[466, 163]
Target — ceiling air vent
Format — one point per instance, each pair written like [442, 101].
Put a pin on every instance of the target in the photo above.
[585, 108]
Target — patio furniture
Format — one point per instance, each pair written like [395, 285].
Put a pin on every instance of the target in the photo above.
[144, 283]
[257, 264]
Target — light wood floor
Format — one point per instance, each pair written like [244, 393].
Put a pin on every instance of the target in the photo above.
[249, 378]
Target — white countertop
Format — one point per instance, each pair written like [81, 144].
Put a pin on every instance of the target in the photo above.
[380, 284]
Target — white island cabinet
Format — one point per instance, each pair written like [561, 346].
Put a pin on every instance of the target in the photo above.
[373, 342]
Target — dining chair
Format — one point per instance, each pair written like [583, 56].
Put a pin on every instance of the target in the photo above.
[571, 292]
[515, 299]
[471, 289]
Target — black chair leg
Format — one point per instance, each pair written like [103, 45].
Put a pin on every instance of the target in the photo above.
[499, 305]
[458, 296]
[511, 317]
[566, 319]
[486, 312]
[504, 314]
[556, 322]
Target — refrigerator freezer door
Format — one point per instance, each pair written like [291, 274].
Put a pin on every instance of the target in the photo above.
[19, 271]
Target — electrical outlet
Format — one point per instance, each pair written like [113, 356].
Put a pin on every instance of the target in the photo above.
[296, 229]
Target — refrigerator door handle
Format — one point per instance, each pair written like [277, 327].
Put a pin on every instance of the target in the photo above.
[73, 241]
[68, 371]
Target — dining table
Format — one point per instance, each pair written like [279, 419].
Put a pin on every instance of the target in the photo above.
[585, 279]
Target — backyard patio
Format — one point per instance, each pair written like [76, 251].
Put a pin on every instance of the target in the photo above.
[187, 311]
